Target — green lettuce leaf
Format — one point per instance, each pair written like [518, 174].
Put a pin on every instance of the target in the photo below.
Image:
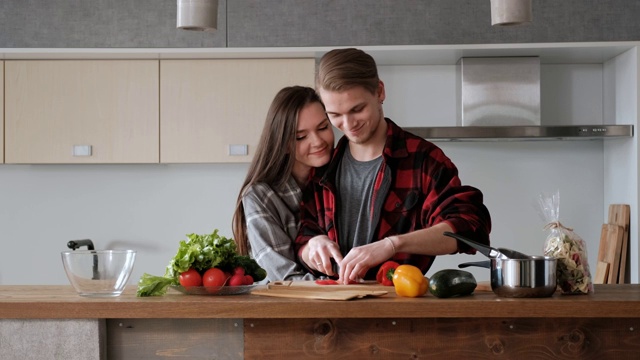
[150, 285]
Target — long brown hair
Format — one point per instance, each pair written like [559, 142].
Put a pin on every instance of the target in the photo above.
[342, 69]
[275, 153]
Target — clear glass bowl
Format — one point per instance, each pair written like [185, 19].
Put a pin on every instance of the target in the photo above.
[98, 273]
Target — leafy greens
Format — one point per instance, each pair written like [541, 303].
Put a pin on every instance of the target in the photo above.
[201, 252]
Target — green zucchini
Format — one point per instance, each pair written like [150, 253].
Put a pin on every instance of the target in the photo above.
[452, 282]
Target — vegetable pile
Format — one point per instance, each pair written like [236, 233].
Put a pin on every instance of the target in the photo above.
[409, 281]
[203, 260]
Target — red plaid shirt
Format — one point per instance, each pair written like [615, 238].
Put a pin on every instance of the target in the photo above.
[424, 190]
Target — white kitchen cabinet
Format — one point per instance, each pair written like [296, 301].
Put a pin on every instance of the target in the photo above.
[213, 110]
[81, 111]
[1, 112]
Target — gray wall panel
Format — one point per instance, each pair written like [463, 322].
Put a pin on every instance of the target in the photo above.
[423, 22]
[348, 22]
[100, 24]
[293, 23]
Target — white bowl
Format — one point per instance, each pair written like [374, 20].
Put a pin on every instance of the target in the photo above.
[98, 273]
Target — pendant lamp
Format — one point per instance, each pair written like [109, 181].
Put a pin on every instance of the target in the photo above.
[511, 12]
[197, 15]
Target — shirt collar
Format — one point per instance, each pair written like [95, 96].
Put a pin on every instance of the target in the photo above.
[395, 147]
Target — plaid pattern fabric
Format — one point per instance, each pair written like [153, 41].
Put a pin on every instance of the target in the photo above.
[423, 189]
[272, 224]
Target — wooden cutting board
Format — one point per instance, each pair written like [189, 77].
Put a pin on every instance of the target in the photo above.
[609, 252]
[619, 214]
[317, 294]
[309, 284]
[602, 273]
[311, 290]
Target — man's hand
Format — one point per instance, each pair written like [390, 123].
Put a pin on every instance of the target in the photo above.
[360, 259]
[318, 252]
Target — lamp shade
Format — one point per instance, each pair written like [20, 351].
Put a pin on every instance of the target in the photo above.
[197, 15]
[511, 12]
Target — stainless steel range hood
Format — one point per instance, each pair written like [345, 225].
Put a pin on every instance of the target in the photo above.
[520, 133]
[498, 99]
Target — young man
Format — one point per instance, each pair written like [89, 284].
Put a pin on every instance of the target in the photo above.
[386, 193]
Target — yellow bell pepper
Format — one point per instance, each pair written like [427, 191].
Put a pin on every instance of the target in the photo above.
[409, 281]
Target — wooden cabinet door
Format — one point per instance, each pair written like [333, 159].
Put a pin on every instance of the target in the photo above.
[82, 111]
[1, 112]
[208, 106]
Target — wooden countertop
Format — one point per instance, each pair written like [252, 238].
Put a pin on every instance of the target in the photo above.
[61, 302]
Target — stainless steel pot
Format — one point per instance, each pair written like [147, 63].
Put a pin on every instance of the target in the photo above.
[521, 278]
[526, 276]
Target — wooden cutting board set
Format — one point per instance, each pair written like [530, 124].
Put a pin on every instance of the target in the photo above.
[613, 252]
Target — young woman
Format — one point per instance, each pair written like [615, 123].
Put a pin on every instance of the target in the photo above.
[296, 137]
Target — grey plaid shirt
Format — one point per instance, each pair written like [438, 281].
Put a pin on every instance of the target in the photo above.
[272, 217]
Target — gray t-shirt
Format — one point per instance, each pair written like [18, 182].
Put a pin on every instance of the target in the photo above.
[354, 181]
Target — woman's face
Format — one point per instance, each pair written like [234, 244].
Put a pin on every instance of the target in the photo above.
[314, 137]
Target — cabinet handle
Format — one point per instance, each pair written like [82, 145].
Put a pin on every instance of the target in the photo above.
[82, 150]
[238, 149]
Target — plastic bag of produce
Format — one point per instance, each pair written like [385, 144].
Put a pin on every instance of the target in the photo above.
[573, 275]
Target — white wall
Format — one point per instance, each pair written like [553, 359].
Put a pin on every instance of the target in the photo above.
[148, 208]
[151, 207]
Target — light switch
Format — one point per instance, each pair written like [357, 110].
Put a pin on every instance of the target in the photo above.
[81, 150]
[238, 149]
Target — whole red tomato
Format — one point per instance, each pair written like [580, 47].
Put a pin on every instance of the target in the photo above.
[248, 280]
[214, 277]
[190, 277]
[238, 270]
[236, 280]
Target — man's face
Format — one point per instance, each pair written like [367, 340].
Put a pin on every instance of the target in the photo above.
[356, 112]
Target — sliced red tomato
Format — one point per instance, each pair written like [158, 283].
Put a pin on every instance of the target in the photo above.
[333, 282]
[327, 282]
[190, 278]
[214, 277]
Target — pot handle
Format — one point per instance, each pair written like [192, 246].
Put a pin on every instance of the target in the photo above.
[484, 264]
[485, 250]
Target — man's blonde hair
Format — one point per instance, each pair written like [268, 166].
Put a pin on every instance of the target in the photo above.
[343, 69]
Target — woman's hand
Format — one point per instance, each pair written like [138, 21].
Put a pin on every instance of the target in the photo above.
[360, 259]
[318, 252]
